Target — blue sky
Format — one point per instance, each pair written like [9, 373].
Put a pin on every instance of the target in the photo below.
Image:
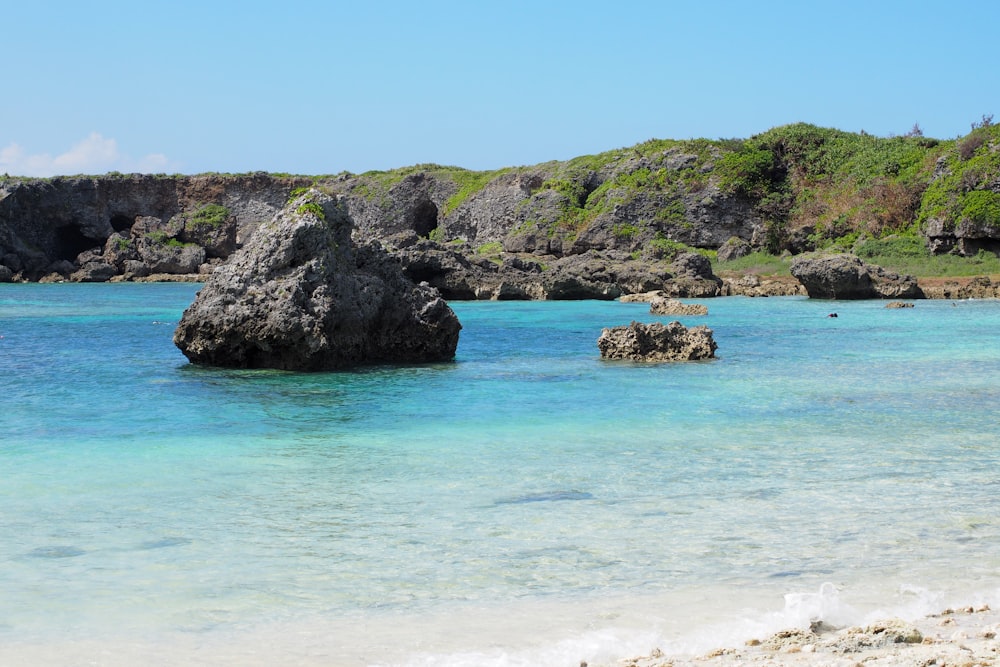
[319, 87]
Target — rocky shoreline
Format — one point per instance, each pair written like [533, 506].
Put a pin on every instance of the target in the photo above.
[966, 637]
[489, 244]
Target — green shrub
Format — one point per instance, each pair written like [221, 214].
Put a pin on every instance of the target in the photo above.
[666, 248]
[491, 248]
[625, 230]
[982, 207]
[898, 247]
[297, 192]
[210, 215]
[751, 172]
[759, 263]
[311, 208]
[161, 238]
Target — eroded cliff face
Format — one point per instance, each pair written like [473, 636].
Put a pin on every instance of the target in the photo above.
[635, 201]
[591, 227]
[604, 229]
[134, 224]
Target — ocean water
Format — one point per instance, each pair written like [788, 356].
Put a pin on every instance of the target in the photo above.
[527, 504]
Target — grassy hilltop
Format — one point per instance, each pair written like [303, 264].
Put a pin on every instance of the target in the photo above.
[809, 188]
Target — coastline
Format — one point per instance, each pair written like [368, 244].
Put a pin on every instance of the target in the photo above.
[965, 636]
[750, 285]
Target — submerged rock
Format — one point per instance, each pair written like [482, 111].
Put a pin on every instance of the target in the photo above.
[302, 296]
[657, 342]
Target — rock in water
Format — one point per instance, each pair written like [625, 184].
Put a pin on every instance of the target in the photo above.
[657, 342]
[302, 296]
[661, 305]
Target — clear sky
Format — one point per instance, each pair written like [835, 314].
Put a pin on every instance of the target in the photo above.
[320, 87]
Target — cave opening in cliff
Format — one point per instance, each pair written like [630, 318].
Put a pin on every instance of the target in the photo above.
[70, 242]
[425, 218]
[121, 223]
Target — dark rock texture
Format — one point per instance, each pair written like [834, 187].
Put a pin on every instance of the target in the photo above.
[657, 342]
[302, 296]
[847, 277]
[134, 223]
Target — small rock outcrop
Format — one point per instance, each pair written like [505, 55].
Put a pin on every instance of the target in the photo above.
[300, 295]
[899, 304]
[847, 277]
[661, 305]
[657, 342]
[734, 248]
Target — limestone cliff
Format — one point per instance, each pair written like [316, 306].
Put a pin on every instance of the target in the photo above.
[591, 227]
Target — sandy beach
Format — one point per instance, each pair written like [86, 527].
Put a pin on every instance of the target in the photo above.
[964, 637]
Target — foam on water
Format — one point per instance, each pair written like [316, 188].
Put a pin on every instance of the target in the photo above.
[527, 504]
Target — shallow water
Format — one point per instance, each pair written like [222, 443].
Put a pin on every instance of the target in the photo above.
[527, 504]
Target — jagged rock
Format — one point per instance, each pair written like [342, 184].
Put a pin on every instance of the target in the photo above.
[445, 268]
[734, 248]
[161, 251]
[899, 304]
[119, 249]
[692, 265]
[63, 267]
[692, 288]
[218, 238]
[164, 257]
[663, 306]
[93, 272]
[847, 277]
[877, 635]
[302, 296]
[787, 639]
[657, 342]
[693, 278]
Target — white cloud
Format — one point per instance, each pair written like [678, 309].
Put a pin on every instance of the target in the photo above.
[93, 155]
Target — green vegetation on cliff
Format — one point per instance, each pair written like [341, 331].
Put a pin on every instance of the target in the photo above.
[210, 215]
[800, 187]
[967, 176]
[837, 183]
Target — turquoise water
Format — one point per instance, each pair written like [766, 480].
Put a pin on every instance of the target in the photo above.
[527, 504]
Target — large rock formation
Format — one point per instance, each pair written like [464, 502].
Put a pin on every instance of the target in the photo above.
[302, 296]
[657, 342]
[847, 277]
